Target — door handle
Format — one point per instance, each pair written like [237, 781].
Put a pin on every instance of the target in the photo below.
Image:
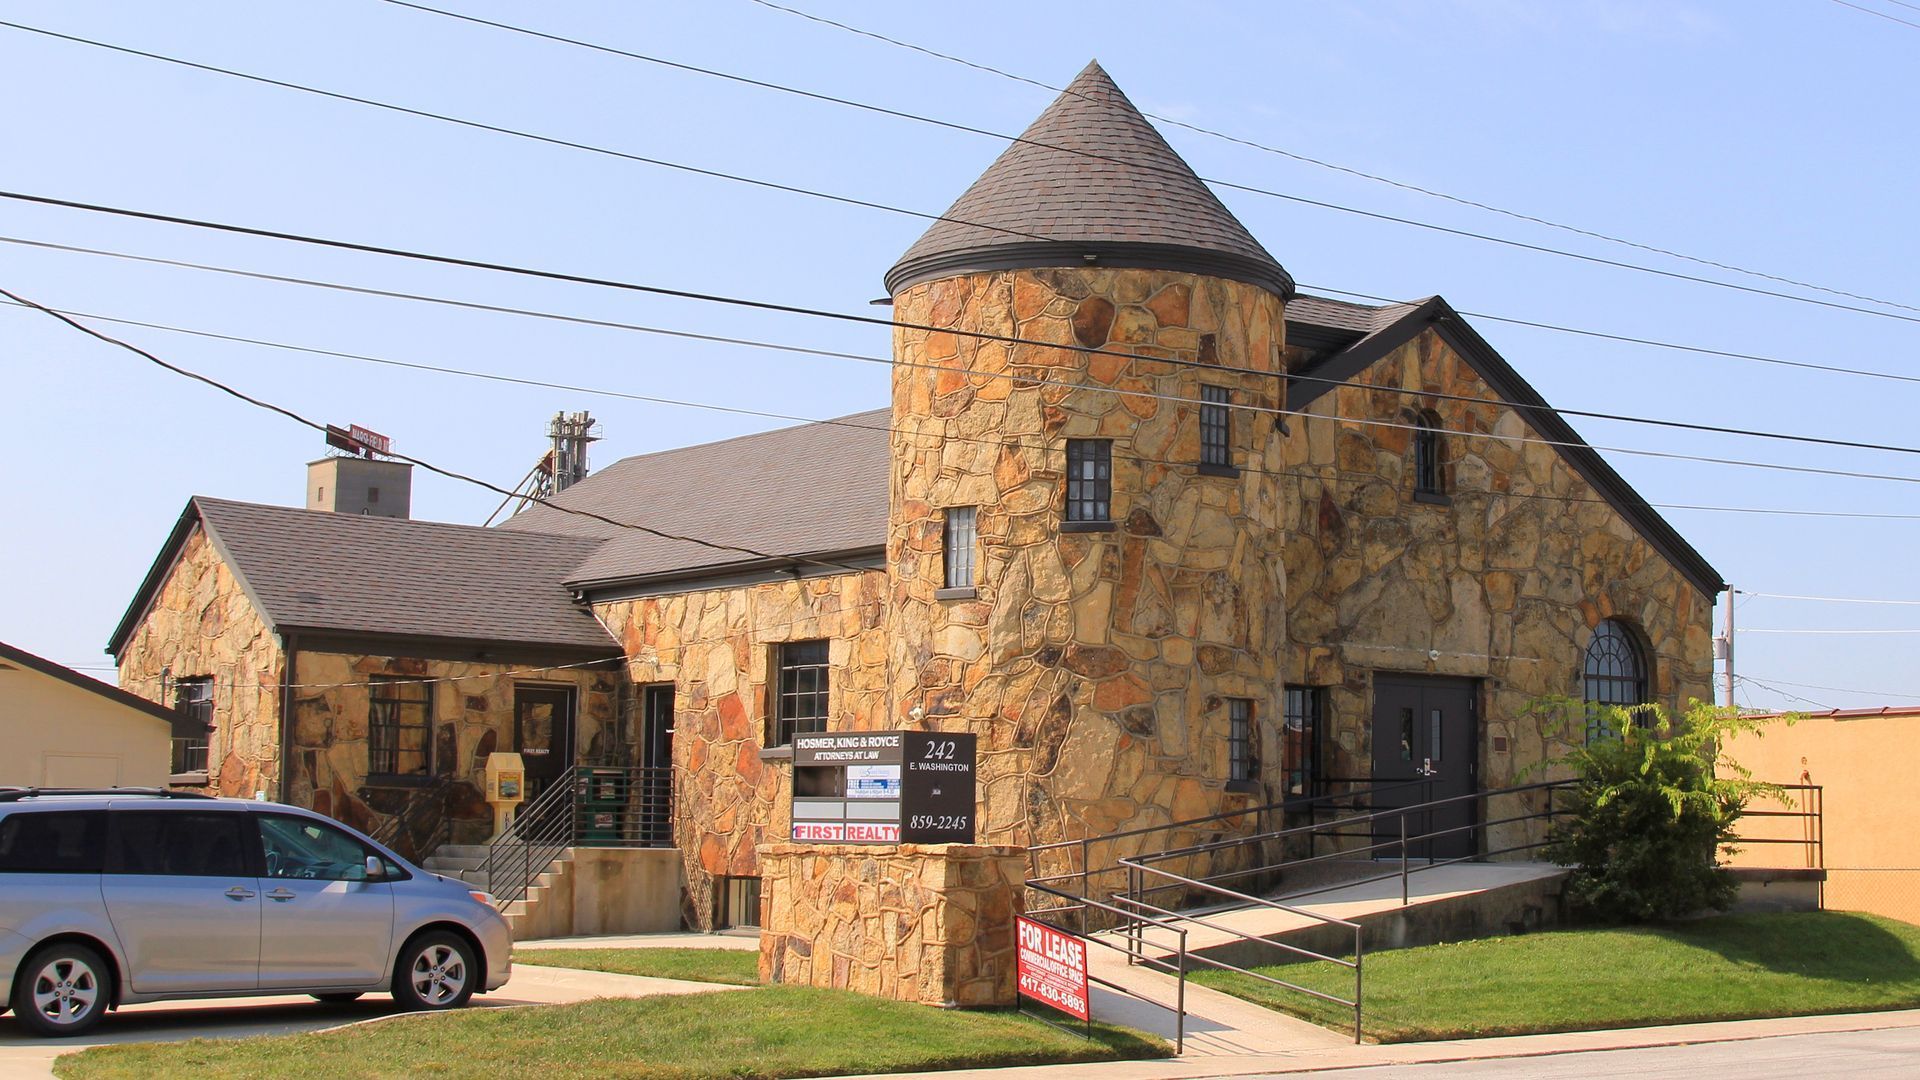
[282, 894]
[240, 892]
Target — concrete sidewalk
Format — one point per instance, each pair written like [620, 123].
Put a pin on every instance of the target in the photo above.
[644, 941]
[1349, 1056]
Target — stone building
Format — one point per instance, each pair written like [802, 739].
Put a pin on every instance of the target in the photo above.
[1169, 537]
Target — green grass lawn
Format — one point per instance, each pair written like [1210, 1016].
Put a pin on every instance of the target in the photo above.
[740, 967]
[769, 1032]
[1723, 968]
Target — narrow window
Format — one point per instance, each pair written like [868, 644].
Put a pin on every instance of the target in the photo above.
[1216, 427]
[1300, 752]
[1428, 478]
[373, 494]
[1242, 761]
[193, 702]
[739, 902]
[800, 690]
[399, 729]
[1089, 479]
[960, 540]
[1615, 673]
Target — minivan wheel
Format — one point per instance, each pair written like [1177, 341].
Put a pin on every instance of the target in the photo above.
[435, 971]
[63, 990]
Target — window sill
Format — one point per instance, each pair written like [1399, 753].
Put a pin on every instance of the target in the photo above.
[777, 753]
[187, 779]
[1210, 469]
[1087, 526]
[1243, 787]
[1433, 497]
[962, 592]
[393, 781]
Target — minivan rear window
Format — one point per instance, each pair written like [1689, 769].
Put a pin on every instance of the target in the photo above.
[53, 842]
[178, 842]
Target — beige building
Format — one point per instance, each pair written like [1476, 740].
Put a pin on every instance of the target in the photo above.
[1169, 537]
[63, 729]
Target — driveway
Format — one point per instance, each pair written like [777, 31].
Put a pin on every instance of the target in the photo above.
[23, 1056]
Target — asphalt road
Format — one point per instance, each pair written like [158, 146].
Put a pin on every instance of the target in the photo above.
[1886, 1053]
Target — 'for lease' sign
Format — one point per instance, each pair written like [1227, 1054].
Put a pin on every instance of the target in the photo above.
[1052, 967]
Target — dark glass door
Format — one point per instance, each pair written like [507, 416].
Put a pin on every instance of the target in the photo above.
[543, 734]
[1424, 729]
[656, 758]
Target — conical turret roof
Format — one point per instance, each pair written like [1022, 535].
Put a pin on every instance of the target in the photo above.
[1090, 182]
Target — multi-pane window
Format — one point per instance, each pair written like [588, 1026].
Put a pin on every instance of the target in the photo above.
[1428, 478]
[1243, 760]
[1216, 426]
[193, 704]
[400, 728]
[1300, 733]
[960, 537]
[1089, 479]
[800, 690]
[1615, 672]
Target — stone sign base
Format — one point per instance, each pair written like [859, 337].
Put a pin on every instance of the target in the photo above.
[928, 923]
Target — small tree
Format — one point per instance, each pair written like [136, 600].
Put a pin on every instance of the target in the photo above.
[1655, 802]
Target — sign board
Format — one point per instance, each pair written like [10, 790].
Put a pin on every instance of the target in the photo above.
[1051, 967]
[372, 440]
[883, 787]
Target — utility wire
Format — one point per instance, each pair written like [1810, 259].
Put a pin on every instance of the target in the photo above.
[869, 204]
[1798, 630]
[1747, 680]
[1293, 155]
[282, 410]
[1244, 407]
[1827, 599]
[1882, 14]
[843, 422]
[244, 230]
[1837, 689]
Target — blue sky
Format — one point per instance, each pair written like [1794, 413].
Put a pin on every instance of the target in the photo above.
[1776, 136]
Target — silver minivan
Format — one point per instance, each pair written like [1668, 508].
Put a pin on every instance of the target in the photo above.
[109, 897]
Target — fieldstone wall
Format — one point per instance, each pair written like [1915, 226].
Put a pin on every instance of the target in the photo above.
[717, 647]
[202, 624]
[472, 716]
[1505, 581]
[1093, 666]
[926, 923]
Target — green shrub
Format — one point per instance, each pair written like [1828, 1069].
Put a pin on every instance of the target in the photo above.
[1654, 803]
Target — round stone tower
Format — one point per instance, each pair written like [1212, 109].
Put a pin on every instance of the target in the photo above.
[1084, 559]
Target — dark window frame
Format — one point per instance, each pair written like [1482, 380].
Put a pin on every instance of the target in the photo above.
[801, 689]
[1243, 743]
[726, 916]
[959, 544]
[1303, 723]
[192, 735]
[1216, 428]
[1429, 464]
[384, 755]
[1089, 491]
[1614, 670]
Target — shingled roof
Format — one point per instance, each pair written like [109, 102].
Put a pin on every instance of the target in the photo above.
[1090, 181]
[312, 571]
[817, 490]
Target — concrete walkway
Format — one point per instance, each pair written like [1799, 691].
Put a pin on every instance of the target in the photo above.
[23, 1056]
[1349, 1056]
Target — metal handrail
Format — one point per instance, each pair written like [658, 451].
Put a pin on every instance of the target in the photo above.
[576, 811]
[1083, 904]
[425, 814]
[536, 836]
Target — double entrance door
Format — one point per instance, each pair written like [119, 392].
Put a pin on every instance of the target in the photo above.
[1424, 730]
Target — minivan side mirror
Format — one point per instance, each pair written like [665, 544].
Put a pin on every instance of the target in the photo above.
[375, 868]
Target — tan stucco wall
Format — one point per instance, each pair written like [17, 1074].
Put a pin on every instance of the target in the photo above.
[55, 734]
[1506, 587]
[201, 623]
[1864, 766]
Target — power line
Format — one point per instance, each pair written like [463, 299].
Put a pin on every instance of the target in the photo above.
[260, 403]
[1265, 410]
[841, 422]
[1882, 14]
[1839, 689]
[869, 204]
[1790, 695]
[1827, 599]
[1797, 630]
[1318, 162]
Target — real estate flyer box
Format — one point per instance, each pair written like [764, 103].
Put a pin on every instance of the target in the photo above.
[883, 787]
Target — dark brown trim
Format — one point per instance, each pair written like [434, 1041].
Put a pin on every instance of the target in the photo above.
[729, 575]
[93, 686]
[457, 650]
[1517, 393]
[290, 650]
[1043, 254]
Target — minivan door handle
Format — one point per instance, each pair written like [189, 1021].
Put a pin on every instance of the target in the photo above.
[282, 894]
[240, 892]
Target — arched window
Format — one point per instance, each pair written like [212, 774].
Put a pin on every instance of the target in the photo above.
[1429, 476]
[1615, 672]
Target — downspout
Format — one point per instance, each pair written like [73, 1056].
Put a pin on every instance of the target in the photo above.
[291, 646]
